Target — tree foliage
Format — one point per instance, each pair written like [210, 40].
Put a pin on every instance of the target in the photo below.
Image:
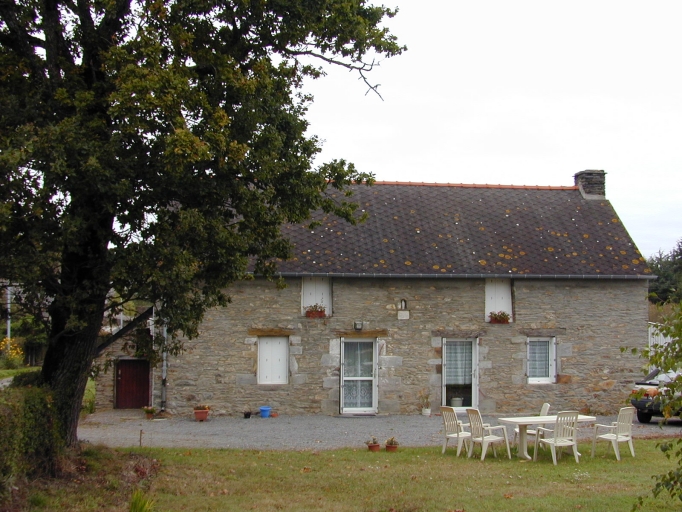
[668, 358]
[668, 268]
[154, 148]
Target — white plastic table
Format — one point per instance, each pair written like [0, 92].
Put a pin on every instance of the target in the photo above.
[523, 422]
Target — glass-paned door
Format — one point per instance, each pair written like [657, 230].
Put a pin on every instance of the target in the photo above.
[358, 376]
[460, 373]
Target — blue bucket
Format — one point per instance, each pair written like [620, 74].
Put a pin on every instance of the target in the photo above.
[265, 411]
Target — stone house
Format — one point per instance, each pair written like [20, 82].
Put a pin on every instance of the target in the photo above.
[407, 298]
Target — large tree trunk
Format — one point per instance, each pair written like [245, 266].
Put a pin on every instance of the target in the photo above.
[76, 313]
[66, 369]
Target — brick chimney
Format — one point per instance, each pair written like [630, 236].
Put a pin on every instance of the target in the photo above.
[592, 184]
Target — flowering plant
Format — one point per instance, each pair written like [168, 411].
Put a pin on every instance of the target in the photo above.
[500, 317]
[202, 407]
[392, 441]
[149, 409]
[372, 440]
[424, 400]
[316, 307]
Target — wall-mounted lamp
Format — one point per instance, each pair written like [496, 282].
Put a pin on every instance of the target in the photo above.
[357, 325]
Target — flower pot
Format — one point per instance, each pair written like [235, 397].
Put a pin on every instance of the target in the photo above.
[374, 447]
[149, 415]
[426, 412]
[315, 314]
[497, 321]
[391, 447]
[247, 414]
[201, 415]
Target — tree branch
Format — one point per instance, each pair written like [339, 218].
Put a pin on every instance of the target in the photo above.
[122, 332]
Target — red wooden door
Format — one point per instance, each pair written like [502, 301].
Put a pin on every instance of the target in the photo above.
[132, 383]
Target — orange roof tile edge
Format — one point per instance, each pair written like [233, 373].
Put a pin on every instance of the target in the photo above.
[474, 185]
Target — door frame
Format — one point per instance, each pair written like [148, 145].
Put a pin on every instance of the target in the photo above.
[375, 378]
[474, 372]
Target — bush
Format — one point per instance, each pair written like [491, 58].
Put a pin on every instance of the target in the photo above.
[29, 440]
[11, 355]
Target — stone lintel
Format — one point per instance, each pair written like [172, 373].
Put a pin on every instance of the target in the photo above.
[270, 332]
[543, 333]
[452, 333]
[365, 333]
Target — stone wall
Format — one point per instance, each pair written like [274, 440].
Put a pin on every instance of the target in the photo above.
[590, 319]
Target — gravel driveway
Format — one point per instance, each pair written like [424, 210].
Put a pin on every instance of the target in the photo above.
[128, 428]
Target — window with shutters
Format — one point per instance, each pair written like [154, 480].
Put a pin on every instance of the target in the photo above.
[498, 297]
[316, 290]
[273, 360]
[541, 360]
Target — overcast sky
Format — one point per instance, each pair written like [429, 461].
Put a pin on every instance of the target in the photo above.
[524, 93]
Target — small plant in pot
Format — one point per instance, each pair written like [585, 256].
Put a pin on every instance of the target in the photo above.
[392, 444]
[149, 411]
[315, 311]
[247, 414]
[373, 444]
[201, 412]
[425, 401]
[500, 317]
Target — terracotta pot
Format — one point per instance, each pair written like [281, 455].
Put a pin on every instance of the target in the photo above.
[149, 415]
[201, 415]
[496, 321]
[315, 314]
[391, 447]
[374, 447]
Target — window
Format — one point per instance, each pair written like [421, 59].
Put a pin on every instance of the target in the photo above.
[273, 360]
[498, 297]
[541, 360]
[316, 290]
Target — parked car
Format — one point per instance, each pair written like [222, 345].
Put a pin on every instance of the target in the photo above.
[647, 402]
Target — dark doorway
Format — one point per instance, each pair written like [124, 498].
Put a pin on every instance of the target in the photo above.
[132, 383]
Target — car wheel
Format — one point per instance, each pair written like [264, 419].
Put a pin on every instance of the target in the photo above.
[644, 417]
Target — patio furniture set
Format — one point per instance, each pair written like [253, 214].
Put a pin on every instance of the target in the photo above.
[563, 435]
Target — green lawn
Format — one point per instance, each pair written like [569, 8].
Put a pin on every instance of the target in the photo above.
[413, 479]
[5, 374]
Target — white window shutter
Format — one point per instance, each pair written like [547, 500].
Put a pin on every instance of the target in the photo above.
[498, 297]
[316, 290]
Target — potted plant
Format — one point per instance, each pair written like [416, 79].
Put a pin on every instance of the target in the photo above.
[500, 317]
[201, 412]
[392, 444]
[315, 311]
[149, 411]
[425, 402]
[373, 444]
[247, 414]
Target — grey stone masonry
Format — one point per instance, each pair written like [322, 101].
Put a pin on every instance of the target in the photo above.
[592, 184]
[590, 320]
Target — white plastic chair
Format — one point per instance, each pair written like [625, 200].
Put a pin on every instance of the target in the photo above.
[454, 429]
[531, 432]
[565, 433]
[483, 434]
[621, 431]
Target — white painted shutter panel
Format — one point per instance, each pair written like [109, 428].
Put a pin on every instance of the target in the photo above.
[273, 367]
[316, 290]
[498, 297]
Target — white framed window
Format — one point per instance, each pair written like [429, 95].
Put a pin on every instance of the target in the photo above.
[316, 290]
[498, 297]
[273, 360]
[541, 363]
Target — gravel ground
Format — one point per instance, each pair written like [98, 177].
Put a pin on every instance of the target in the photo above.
[128, 428]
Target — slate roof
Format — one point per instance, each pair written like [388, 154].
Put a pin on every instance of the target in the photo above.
[443, 230]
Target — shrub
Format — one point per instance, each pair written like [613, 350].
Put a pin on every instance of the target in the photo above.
[12, 356]
[29, 441]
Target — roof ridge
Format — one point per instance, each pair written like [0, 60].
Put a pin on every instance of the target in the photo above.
[476, 185]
